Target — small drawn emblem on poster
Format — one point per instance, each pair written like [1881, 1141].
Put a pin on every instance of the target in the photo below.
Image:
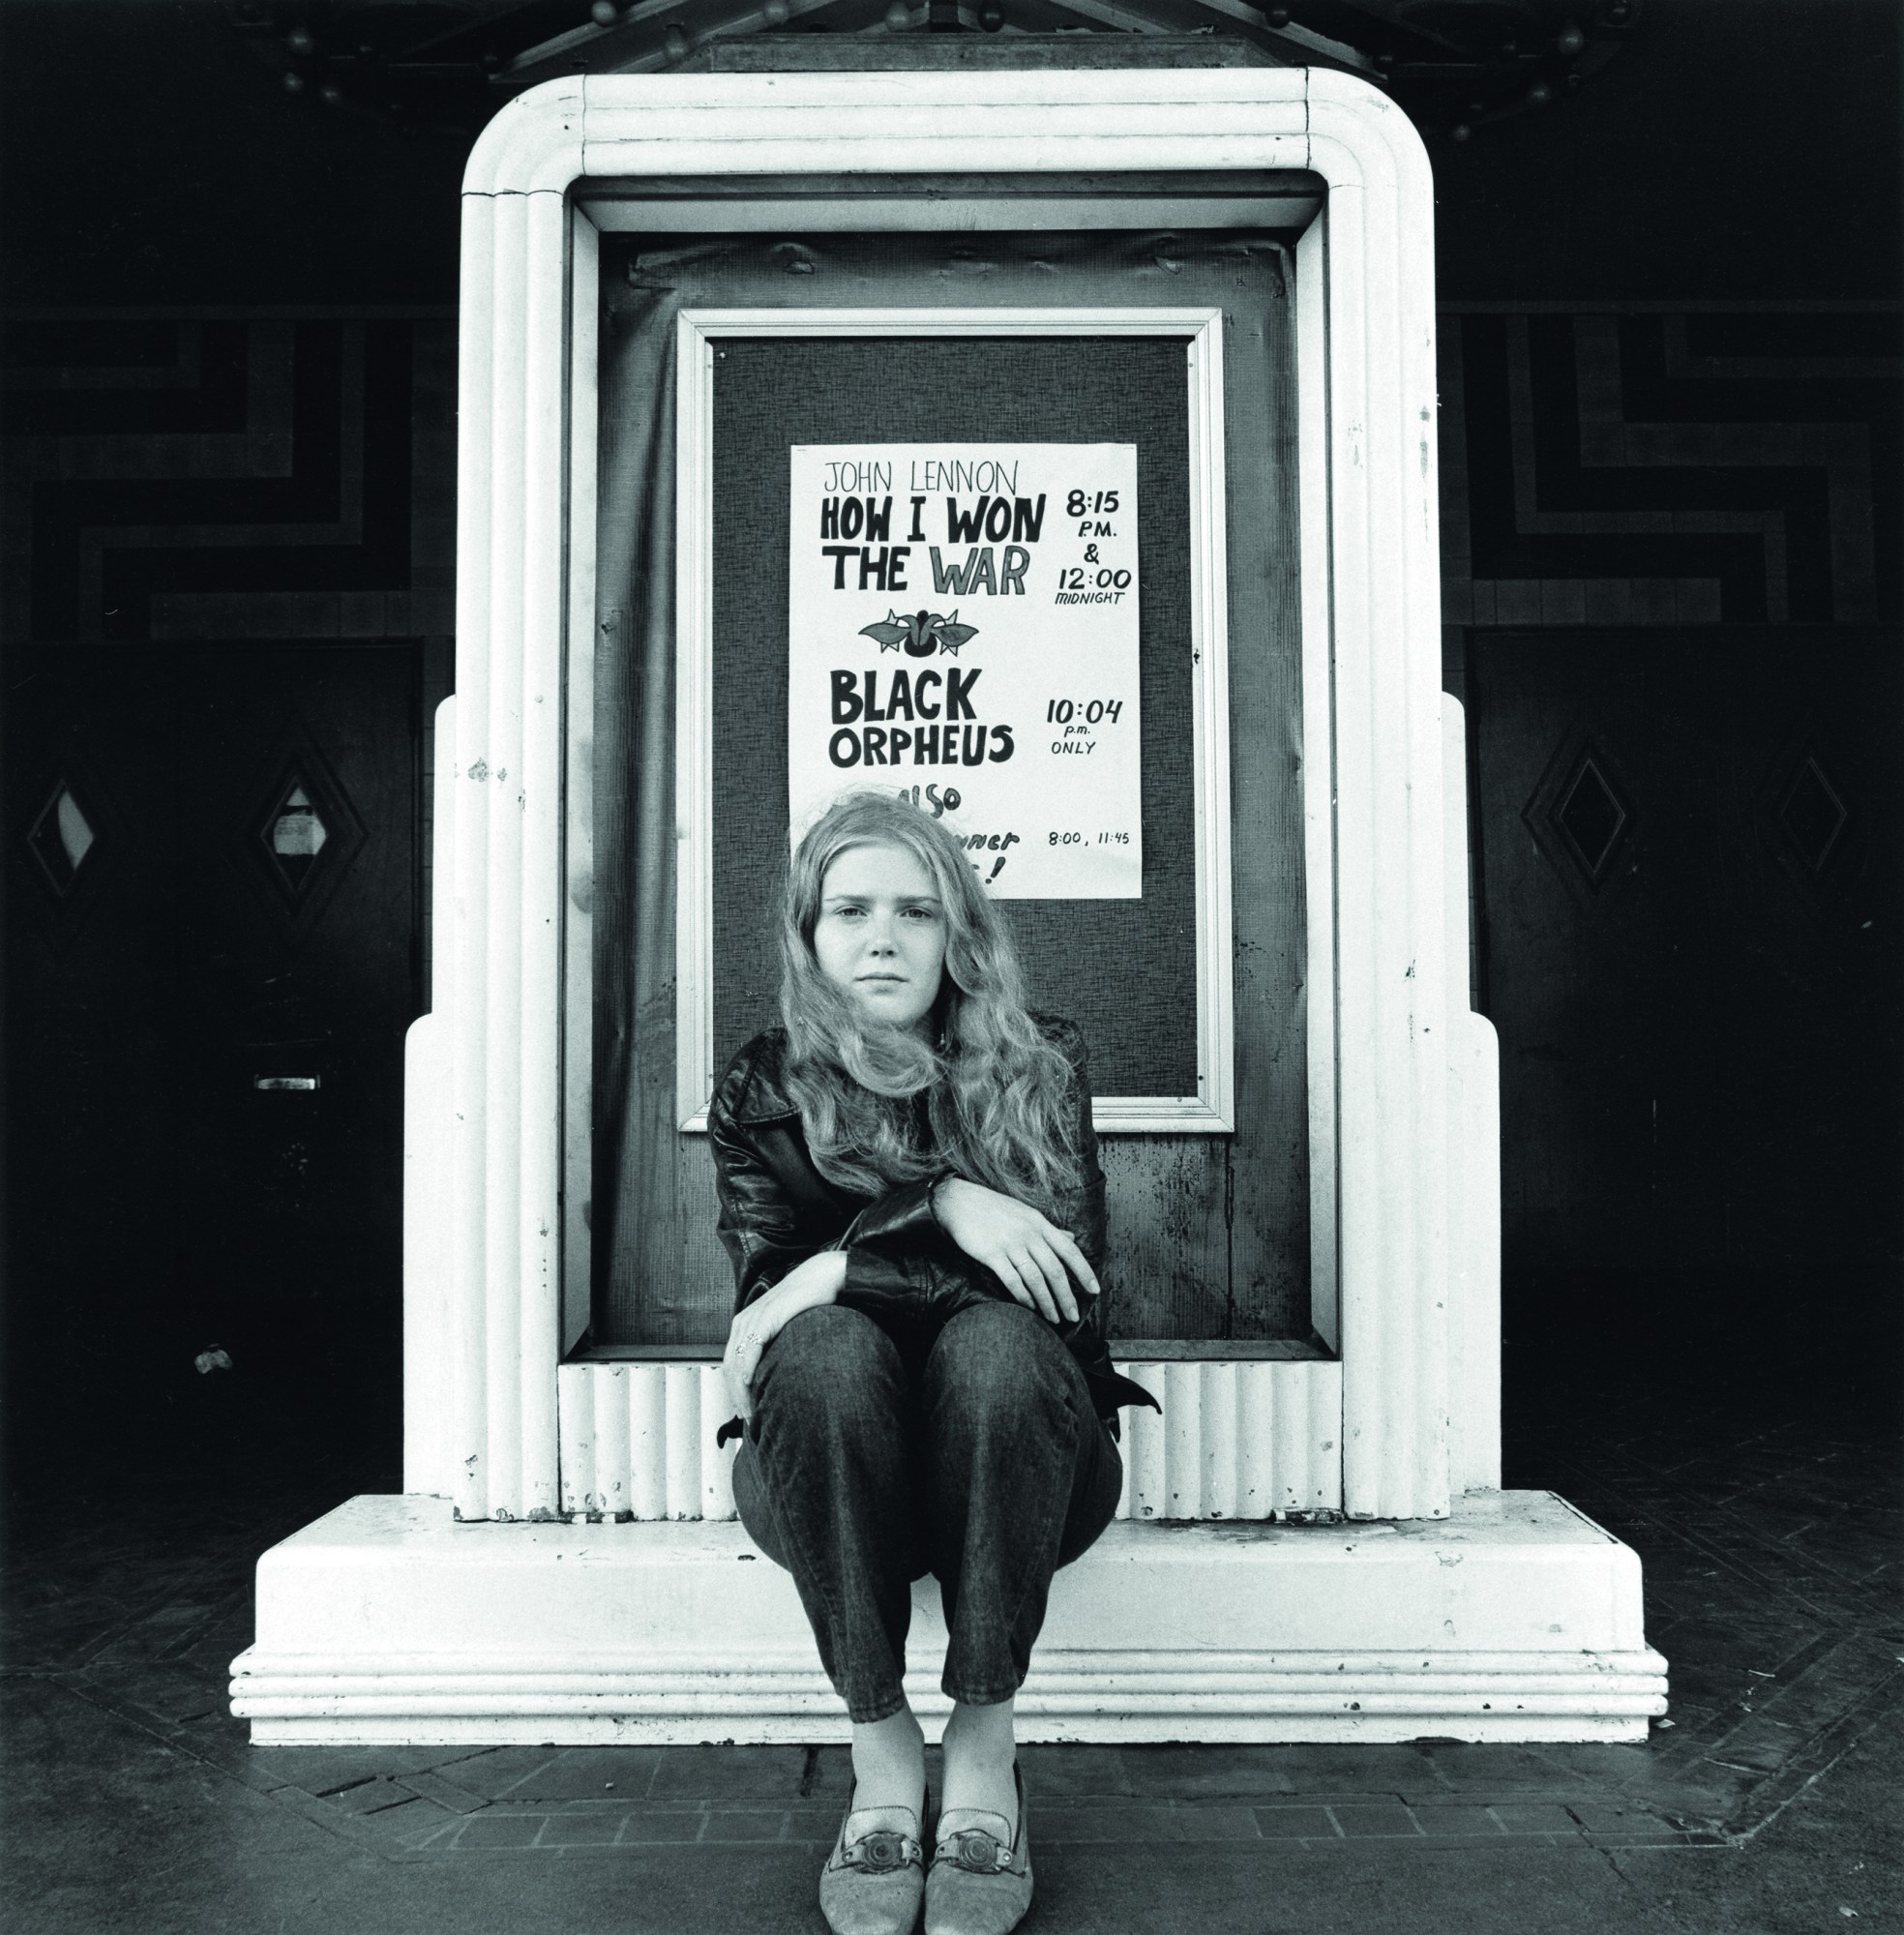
[921, 635]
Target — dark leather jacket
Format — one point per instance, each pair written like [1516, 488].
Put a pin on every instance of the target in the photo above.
[902, 1268]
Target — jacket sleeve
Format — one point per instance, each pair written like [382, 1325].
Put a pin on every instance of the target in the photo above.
[900, 1262]
[898, 1258]
[900, 1218]
[903, 1219]
[1082, 1212]
[758, 1225]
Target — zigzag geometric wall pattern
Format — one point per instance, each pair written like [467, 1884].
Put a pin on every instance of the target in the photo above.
[1662, 468]
[293, 477]
[268, 478]
[264, 477]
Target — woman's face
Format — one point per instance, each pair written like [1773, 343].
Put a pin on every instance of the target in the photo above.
[881, 936]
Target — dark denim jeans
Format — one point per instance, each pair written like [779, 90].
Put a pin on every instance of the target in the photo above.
[977, 1457]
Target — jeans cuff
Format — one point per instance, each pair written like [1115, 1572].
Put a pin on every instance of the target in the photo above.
[877, 1711]
[980, 1697]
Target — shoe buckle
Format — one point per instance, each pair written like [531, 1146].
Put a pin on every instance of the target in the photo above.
[976, 1851]
[878, 1852]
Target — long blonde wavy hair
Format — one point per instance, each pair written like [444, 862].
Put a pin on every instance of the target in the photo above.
[997, 1094]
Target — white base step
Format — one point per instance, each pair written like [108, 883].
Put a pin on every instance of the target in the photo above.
[1516, 1618]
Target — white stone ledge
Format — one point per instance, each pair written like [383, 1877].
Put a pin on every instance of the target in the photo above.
[1516, 1618]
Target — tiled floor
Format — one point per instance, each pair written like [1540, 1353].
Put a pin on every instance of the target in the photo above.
[1767, 1801]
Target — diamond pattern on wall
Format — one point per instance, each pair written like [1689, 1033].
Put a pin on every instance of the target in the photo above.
[61, 837]
[1814, 814]
[1815, 823]
[1591, 817]
[296, 838]
[304, 833]
[1582, 815]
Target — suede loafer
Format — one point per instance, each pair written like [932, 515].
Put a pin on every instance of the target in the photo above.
[875, 1879]
[977, 1884]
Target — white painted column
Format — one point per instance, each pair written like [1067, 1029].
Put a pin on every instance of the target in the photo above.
[505, 931]
[431, 1315]
[1474, 1162]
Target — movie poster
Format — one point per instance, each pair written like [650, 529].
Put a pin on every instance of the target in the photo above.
[963, 627]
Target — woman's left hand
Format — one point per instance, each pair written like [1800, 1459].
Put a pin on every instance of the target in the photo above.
[1026, 1251]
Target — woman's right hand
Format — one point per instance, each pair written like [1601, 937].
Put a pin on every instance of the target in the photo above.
[819, 1280]
[1029, 1255]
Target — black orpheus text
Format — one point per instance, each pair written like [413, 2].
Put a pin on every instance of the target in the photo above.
[942, 728]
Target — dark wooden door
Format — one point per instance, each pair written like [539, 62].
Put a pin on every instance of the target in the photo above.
[213, 954]
[1690, 940]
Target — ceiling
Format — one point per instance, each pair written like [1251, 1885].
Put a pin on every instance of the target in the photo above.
[1455, 66]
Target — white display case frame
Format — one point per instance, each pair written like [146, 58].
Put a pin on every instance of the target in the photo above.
[1212, 1110]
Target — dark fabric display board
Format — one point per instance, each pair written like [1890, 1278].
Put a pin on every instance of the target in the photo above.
[1119, 969]
[1209, 1232]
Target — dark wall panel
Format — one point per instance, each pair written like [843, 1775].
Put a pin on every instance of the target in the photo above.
[1693, 945]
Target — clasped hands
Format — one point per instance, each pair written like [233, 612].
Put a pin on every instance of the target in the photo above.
[1027, 1253]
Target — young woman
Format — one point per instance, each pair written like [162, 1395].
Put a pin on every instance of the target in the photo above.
[911, 1194]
